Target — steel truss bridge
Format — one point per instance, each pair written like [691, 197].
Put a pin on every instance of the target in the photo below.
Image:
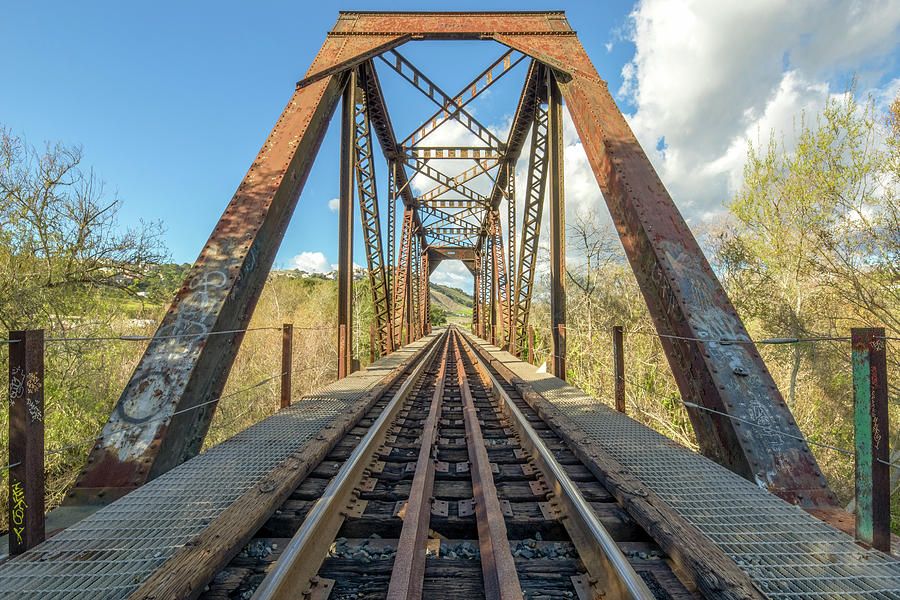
[449, 437]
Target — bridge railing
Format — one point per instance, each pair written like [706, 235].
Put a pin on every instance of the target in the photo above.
[871, 453]
[27, 451]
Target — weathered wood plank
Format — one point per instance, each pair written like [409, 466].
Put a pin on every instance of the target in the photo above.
[711, 570]
[185, 575]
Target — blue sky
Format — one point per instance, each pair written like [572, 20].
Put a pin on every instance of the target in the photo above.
[172, 101]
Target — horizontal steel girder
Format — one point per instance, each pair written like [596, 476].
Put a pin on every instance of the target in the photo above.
[485, 79]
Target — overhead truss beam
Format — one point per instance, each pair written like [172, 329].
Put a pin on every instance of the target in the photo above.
[485, 79]
[434, 93]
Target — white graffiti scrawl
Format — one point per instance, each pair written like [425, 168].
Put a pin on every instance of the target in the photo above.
[708, 320]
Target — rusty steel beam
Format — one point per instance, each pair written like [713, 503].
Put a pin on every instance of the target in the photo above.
[451, 152]
[391, 235]
[481, 167]
[556, 189]
[487, 284]
[433, 92]
[425, 294]
[345, 229]
[415, 289]
[518, 131]
[452, 203]
[449, 219]
[684, 296]
[476, 294]
[451, 25]
[511, 241]
[469, 231]
[500, 277]
[380, 122]
[422, 166]
[450, 240]
[183, 369]
[400, 295]
[439, 253]
[371, 223]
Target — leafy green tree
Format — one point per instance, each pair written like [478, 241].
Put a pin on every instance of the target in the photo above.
[437, 316]
[811, 249]
[820, 222]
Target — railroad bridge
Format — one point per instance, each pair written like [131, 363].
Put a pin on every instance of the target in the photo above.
[449, 467]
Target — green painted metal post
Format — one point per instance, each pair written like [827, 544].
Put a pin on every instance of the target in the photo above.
[870, 421]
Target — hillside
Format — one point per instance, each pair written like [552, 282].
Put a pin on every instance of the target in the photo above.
[453, 301]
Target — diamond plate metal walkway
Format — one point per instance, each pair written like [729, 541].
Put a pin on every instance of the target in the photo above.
[788, 553]
[109, 554]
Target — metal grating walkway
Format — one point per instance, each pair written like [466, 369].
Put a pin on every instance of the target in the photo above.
[788, 553]
[109, 554]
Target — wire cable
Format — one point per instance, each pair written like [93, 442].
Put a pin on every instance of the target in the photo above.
[162, 418]
[689, 404]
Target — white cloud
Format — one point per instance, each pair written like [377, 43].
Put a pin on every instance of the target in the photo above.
[453, 273]
[334, 204]
[311, 262]
[708, 76]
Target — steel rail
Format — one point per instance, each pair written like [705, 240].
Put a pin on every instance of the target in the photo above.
[408, 574]
[497, 564]
[303, 555]
[597, 549]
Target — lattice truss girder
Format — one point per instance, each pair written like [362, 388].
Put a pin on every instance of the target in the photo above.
[371, 223]
[531, 220]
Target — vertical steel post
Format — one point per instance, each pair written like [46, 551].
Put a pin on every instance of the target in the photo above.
[26, 440]
[556, 189]
[371, 343]
[511, 263]
[530, 345]
[287, 362]
[407, 315]
[619, 369]
[345, 228]
[476, 287]
[391, 256]
[870, 420]
[343, 354]
[494, 295]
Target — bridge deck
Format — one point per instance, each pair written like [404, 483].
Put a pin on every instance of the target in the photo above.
[108, 554]
[787, 552]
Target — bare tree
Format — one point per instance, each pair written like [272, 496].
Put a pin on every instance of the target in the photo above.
[59, 234]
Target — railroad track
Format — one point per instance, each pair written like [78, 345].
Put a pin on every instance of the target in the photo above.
[451, 486]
